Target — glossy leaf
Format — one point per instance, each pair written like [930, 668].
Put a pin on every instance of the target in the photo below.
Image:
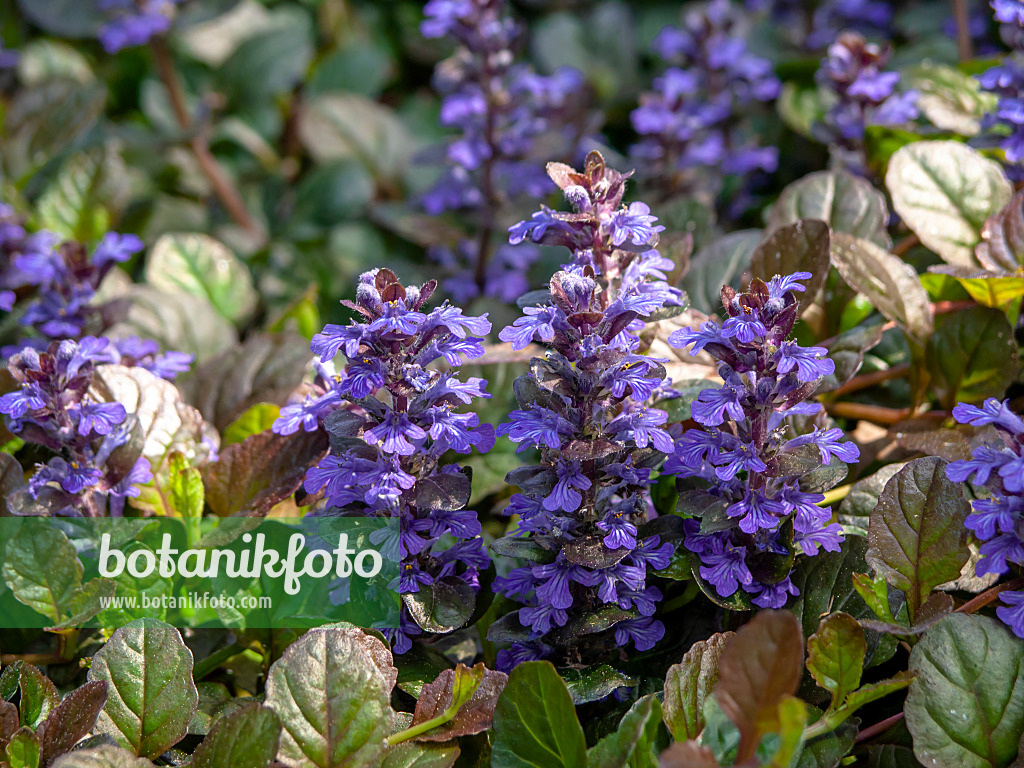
[889, 283]
[151, 696]
[594, 682]
[966, 706]
[847, 203]
[916, 536]
[246, 737]
[721, 262]
[689, 683]
[475, 711]
[102, 757]
[72, 720]
[761, 664]
[39, 697]
[23, 750]
[197, 264]
[802, 246]
[535, 723]
[971, 356]
[945, 191]
[634, 742]
[333, 700]
[835, 655]
[42, 570]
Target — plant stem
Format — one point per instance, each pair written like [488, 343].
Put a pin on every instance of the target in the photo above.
[905, 245]
[836, 494]
[223, 187]
[873, 413]
[419, 728]
[38, 659]
[964, 46]
[988, 596]
[866, 380]
[873, 730]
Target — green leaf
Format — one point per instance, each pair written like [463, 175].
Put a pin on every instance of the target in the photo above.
[86, 601]
[342, 126]
[151, 695]
[835, 655]
[634, 742]
[43, 570]
[535, 723]
[9, 680]
[847, 203]
[689, 683]
[333, 699]
[594, 682]
[875, 691]
[971, 356]
[71, 720]
[798, 247]
[761, 664]
[43, 60]
[246, 737]
[43, 122]
[792, 720]
[176, 321]
[966, 706]
[855, 509]
[198, 265]
[944, 191]
[63, 18]
[72, 204]
[102, 757]
[951, 100]
[39, 697]
[23, 750]
[993, 291]
[259, 418]
[720, 262]
[801, 108]
[889, 283]
[828, 750]
[443, 606]
[252, 476]
[270, 62]
[916, 536]
[185, 489]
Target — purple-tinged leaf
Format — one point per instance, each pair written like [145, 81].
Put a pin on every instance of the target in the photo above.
[689, 683]
[835, 655]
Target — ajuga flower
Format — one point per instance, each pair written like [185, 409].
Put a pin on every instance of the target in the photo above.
[500, 108]
[694, 125]
[996, 521]
[865, 94]
[746, 464]
[134, 22]
[54, 407]
[817, 24]
[583, 407]
[391, 418]
[51, 285]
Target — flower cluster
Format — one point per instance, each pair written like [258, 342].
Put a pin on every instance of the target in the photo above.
[51, 285]
[391, 419]
[745, 473]
[997, 521]
[865, 94]
[500, 108]
[1007, 81]
[53, 407]
[583, 406]
[134, 22]
[691, 125]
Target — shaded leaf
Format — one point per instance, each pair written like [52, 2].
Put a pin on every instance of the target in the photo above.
[39, 697]
[835, 655]
[266, 368]
[916, 536]
[945, 191]
[64, 18]
[251, 477]
[443, 606]
[102, 757]
[802, 246]
[72, 205]
[594, 682]
[197, 264]
[634, 742]
[971, 356]
[689, 683]
[889, 283]
[333, 700]
[413, 755]
[845, 202]
[720, 262]
[951, 100]
[535, 722]
[688, 754]
[761, 664]
[247, 737]
[474, 716]
[855, 509]
[966, 706]
[1002, 238]
[930, 437]
[151, 696]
